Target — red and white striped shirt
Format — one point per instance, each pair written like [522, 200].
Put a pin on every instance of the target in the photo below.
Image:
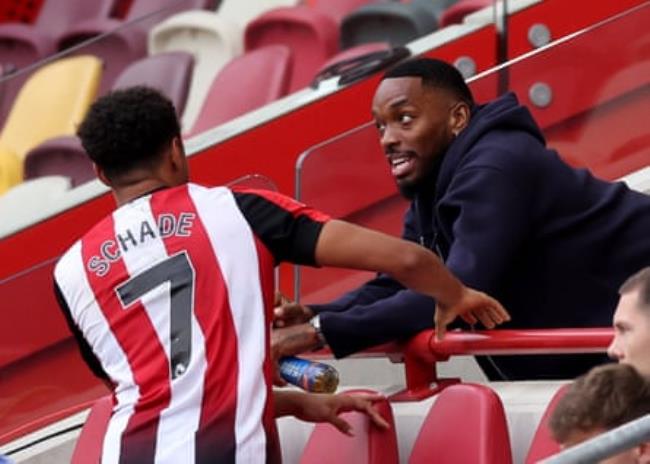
[171, 298]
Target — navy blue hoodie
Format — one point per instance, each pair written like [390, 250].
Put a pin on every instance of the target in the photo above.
[510, 218]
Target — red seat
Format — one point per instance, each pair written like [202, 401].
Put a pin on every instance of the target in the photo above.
[169, 73]
[369, 445]
[125, 41]
[455, 13]
[88, 449]
[543, 444]
[337, 9]
[467, 423]
[237, 88]
[311, 35]
[24, 44]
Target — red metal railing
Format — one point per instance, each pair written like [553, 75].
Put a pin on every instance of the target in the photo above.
[421, 353]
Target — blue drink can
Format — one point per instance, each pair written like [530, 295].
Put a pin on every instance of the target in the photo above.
[309, 375]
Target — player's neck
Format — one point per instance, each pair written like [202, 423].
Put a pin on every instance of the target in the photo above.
[127, 193]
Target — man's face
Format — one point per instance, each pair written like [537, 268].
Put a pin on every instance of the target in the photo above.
[637, 455]
[415, 125]
[631, 342]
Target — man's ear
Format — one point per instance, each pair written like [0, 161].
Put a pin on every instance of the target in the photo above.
[459, 117]
[642, 452]
[177, 153]
[101, 175]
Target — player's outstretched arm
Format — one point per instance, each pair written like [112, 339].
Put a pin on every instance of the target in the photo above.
[342, 244]
[322, 407]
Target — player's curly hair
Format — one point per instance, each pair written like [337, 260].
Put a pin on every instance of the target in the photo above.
[128, 128]
[604, 398]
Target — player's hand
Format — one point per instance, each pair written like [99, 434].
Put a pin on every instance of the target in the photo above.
[320, 407]
[473, 306]
[289, 341]
[287, 313]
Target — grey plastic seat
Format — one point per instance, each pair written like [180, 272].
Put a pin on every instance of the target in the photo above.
[395, 23]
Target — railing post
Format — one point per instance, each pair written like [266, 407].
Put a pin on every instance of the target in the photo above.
[421, 371]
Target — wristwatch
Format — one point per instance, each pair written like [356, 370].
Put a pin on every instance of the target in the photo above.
[315, 323]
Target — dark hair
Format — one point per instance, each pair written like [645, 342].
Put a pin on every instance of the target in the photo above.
[128, 128]
[434, 73]
[604, 398]
[640, 281]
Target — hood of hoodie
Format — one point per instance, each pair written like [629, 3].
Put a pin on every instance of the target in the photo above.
[503, 113]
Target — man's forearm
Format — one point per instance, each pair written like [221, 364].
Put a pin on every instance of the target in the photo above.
[294, 339]
[399, 316]
[287, 403]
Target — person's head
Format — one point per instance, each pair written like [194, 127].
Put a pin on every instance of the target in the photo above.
[133, 135]
[419, 107]
[604, 398]
[631, 343]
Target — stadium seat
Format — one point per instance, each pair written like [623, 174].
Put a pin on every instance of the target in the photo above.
[25, 44]
[543, 444]
[355, 52]
[128, 43]
[397, 23]
[11, 170]
[467, 423]
[238, 88]
[455, 13]
[435, 7]
[66, 88]
[212, 40]
[242, 13]
[29, 197]
[337, 9]
[89, 444]
[169, 73]
[369, 445]
[62, 156]
[311, 35]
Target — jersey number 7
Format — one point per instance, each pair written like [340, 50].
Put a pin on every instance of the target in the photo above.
[179, 272]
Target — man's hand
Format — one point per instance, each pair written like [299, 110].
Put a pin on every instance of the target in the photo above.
[472, 306]
[317, 407]
[287, 313]
[289, 341]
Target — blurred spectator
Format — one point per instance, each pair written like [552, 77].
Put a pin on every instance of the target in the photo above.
[631, 344]
[603, 399]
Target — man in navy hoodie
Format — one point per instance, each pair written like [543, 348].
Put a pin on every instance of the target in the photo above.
[508, 216]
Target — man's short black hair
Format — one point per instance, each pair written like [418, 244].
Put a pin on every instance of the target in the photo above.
[434, 73]
[128, 128]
